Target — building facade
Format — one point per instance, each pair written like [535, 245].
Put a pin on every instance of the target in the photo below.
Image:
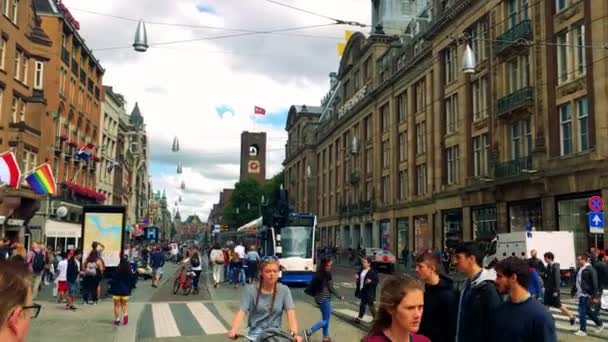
[113, 107]
[25, 51]
[413, 153]
[253, 156]
[137, 162]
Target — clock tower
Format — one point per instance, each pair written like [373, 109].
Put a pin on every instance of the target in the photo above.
[253, 155]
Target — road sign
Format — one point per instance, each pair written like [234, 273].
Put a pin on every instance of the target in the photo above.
[596, 223]
[595, 204]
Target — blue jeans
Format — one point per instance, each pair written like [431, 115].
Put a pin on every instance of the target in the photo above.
[584, 310]
[325, 308]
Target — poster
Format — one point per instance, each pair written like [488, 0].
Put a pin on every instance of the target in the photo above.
[103, 224]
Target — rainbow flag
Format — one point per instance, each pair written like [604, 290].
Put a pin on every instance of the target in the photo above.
[42, 180]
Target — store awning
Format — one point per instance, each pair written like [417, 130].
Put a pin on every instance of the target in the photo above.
[62, 229]
[251, 227]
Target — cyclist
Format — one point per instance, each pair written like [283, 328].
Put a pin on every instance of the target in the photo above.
[265, 303]
[194, 260]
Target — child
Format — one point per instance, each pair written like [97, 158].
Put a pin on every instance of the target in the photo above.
[123, 281]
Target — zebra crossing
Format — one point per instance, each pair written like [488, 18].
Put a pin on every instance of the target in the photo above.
[562, 322]
[176, 319]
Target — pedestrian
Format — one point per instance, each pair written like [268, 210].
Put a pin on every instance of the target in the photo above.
[253, 258]
[19, 254]
[157, 261]
[216, 258]
[265, 302]
[93, 269]
[236, 266]
[552, 287]
[36, 261]
[62, 282]
[521, 317]
[49, 266]
[536, 263]
[16, 306]
[478, 297]
[98, 247]
[588, 294]
[601, 268]
[240, 251]
[440, 300]
[535, 286]
[227, 258]
[366, 282]
[72, 273]
[399, 312]
[123, 282]
[322, 287]
[405, 256]
[196, 265]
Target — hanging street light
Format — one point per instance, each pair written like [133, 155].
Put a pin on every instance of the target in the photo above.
[140, 43]
[175, 146]
[469, 62]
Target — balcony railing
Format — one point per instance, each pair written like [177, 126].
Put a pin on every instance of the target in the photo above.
[515, 36]
[75, 67]
[523, 97]
[513, 168]
[65, 56]
[356, 209]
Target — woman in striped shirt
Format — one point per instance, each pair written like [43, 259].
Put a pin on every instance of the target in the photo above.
[322, 287]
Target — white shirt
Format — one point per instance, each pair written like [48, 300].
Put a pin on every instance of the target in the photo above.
[62, 267]
[240, 250]
[362, 279]
[216, 254]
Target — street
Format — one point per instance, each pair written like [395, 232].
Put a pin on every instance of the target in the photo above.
[158, 315]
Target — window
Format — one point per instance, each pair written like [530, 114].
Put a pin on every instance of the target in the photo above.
[480, 110]
[62, 76]
[15, 109]
[518, 73]
[386, 189]
[402, 146]
[367, 70]
[1, 98]
[420, 96]
[2, 51]
[24, 69]
[402, 185]
[521, 139]
[450, 62]
[22, 111]
[421, 179]
[402, 107]
[386, 155]
[15, 11]
[561, 5]
[565, 131]
[421, 138]
[561, 39]
[579, 49]
[517, 10]
[368, 160]
[385, 117]
[38, 74]
[481, 150]
[451, 114]
[17, 64]
[512, 12]
[368, 129]
[582, 107]
[5, 6]
[29, 161]
[453, 164]
[479, 40]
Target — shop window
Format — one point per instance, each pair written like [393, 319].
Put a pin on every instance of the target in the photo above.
[402, 236]
[484, 223]
[572, 216]
[526, 216]
[452, 228]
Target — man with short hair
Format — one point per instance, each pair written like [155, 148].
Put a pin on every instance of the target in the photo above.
[240, 250]
[157, 260]
[36, 261]
[536, 263]
[587, 291]
[521, 317]
[16, 307]
[552, 288]
[479, 298]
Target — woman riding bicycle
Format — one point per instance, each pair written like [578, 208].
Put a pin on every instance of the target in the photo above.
[265, 303]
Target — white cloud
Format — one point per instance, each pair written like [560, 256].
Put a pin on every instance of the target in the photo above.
[179, 86]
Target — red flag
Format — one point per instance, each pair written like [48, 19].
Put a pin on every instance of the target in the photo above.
[259, 110]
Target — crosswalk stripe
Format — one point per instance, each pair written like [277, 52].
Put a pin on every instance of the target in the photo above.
[164, 323]
[204, 317]
[354, 314]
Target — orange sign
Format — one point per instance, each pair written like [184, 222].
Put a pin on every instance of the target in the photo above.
[253, 166]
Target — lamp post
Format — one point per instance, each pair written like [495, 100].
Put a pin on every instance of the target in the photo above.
[140, 43]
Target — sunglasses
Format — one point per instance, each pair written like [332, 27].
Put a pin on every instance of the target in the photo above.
[270, 258]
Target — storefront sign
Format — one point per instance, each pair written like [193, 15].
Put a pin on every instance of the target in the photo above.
[15, 222]
[352, 101]
[595, 204]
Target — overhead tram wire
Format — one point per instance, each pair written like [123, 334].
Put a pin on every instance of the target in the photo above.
[338, 21]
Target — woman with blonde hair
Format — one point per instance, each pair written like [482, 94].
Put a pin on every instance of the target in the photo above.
[264, 303]
[399, 312]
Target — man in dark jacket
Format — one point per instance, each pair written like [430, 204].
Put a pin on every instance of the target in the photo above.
[537, 263]
[478, 299]
[586, 290]
[601, 268]
[440, 300]
[552, 288]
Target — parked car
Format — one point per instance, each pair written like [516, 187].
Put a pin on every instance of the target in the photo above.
[381, 259]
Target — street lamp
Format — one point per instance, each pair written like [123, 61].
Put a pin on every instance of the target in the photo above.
[140, 43]
[469, 62]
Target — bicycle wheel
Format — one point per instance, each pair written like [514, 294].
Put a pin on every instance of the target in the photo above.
[188, 286]
[176, 286]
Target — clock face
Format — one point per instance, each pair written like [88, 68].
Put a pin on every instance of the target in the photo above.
[253, 151]
[253, 166]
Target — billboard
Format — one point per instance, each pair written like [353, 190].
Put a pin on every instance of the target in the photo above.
[104, 224]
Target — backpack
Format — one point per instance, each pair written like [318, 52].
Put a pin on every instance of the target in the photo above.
[195, 261]
[38, 262]
[72, 271]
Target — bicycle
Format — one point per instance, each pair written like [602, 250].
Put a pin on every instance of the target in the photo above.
[269, 335]
[183, 281]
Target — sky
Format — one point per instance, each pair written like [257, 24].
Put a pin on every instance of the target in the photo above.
[204, 90]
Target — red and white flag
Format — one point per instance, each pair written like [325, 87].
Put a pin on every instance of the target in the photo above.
[259, 110]
[10, 174]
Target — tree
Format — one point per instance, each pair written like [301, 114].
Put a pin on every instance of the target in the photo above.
[271, 187]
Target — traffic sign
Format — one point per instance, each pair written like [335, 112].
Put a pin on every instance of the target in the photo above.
[595, 204]
[596, 223]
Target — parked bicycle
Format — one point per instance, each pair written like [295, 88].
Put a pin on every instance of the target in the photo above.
[183, 281]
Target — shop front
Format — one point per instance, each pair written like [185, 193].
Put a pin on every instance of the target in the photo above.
[525, 215]
[16, 211]
[572, 216]
[402, 235]
[452, 228]
[422, 237]
[62, 235]
[386, 241]
[483, 221]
